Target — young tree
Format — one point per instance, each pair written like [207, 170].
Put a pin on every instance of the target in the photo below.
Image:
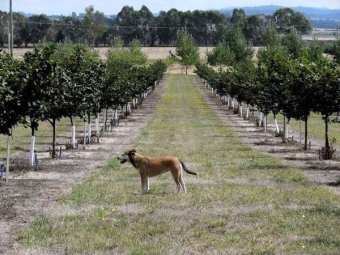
[221, 55]
[326, 97]
[75, 60]
[45, 90]
[119, 81]
[334, 50]
[186, 49]
[270, 91]
[122, 57]
[12, 110]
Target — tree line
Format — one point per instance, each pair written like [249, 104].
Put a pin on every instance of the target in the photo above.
[69, 80]
[206, 27]
[289, 77]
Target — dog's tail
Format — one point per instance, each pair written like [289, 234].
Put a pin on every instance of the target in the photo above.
[186, 169]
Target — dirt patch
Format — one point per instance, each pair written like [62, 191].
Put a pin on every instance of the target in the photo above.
[28, 195]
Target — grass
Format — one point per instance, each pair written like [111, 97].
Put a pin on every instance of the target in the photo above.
[316, 127]
[43, 137]
[234, 206]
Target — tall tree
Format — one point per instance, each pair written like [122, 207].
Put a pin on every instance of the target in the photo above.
[286, 19]
[95, 24]
[238, 18]
[215, 24]
[168, 24]
[254, 28]
[71, 29]
[236, 41]
[129, 22]
[38, 27]
[3, 27]
[147, 26]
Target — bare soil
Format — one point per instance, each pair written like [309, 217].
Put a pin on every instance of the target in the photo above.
[25, 196]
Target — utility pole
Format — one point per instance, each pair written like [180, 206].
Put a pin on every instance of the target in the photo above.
[10, 50]
[10, 32]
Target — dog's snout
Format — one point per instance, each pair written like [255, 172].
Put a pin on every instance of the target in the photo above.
[122, 159]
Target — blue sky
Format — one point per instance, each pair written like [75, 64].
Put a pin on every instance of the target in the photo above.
[66, 7]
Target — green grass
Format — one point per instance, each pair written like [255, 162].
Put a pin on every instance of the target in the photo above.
[43, 137]
[234, 206]
[316, 127]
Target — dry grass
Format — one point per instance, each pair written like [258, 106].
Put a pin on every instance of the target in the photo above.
[153, 53]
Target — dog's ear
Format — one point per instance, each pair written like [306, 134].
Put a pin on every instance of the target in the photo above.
[133, 151]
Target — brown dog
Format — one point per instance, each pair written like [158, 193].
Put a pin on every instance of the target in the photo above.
[149, 167]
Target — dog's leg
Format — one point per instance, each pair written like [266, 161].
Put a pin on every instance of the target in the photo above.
[182, 184]
[147, 185]
[144, 180]
[177, 179]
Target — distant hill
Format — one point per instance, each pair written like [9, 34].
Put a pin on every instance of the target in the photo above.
[309, 12]
[319, 17]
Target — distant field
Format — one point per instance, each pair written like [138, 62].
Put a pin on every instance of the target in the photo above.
[320, 37]
[153, 53]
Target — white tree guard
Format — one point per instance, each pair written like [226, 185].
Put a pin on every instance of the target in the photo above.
[32, 145]
[89, 132]
[287, 130]
[8, 155]
[73, 135]
[276, 126]
[96, 121]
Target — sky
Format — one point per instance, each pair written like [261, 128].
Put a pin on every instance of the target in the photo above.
[66, 7]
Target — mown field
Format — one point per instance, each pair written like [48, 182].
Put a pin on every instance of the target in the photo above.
[234, 206]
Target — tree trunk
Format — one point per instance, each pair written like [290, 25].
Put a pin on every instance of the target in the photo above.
[89, 128]
[31, 158]
[306, 134]
[33, 124]
[105, 119]
[326, 131]
[53, 139]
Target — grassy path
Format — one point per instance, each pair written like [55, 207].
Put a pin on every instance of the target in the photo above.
[234, 206]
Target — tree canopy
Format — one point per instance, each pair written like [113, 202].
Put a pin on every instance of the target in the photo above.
[206, 27]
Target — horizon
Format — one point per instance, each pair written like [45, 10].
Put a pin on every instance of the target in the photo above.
[66, 7]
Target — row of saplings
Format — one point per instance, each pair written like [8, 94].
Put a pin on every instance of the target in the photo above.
[55, 81]
[292, 87]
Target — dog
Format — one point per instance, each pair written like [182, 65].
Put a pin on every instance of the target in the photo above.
[153, 166]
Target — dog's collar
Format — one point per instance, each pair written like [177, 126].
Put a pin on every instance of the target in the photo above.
[133, 162]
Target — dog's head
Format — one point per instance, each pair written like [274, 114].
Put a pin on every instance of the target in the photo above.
[126, 156]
